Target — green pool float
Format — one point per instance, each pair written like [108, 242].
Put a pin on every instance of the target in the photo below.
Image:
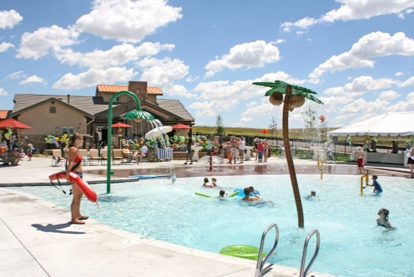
[242, 251]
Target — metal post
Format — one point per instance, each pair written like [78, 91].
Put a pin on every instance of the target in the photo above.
[109, 135]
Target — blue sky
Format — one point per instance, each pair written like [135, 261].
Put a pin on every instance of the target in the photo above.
[358, 55]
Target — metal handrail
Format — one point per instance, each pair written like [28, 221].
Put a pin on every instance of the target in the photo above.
[303, 270]
[261, 262]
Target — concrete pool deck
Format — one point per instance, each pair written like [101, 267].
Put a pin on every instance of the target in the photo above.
[38, 241]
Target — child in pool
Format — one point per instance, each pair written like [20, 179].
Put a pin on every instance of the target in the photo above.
[383, 218]
[222, 194]
[247, 196]
[206, 183]
[214, 180]
[375, 184]
[172, 176]
[255, 192]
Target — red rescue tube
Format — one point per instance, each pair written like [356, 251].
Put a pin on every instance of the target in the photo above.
[82, 185]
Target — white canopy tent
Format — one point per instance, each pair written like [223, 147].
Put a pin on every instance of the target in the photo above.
[389, 124]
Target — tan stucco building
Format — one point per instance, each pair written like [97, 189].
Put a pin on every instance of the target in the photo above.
[57, 114]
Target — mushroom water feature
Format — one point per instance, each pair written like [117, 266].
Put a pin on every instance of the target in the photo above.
[294, 98]
[136, 115]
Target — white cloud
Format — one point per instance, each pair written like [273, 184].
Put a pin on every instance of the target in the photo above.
[376, 44]
[34, 79]
[251, 104]
[191, 78]
[361, 85]
[353, 10]
[332, 103]
[252, 54]
[94, 76]
[164, 73]
[37, 44]
[361, 106]
[408, 82]
[279, 41]
[16, 75]
[224, 96]
[303, 24]
[3, 92]
[4, 46]
[399, 73]
[116, 56]
[240, 89]
[402, 106]
[8, 19]
[240, 125]
[389, 95]
[246, 119]
[263, 109]
[212, 108]
[127, 20]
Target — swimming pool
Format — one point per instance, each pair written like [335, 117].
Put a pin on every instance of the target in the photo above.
[351, 244]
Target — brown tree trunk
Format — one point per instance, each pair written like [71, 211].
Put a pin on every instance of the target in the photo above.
[289, 160]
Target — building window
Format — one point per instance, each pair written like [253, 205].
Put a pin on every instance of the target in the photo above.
[67, 130]
[52, 109]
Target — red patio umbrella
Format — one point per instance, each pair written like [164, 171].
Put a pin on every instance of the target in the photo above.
[121, 125]
[14, 124]
[180, 126]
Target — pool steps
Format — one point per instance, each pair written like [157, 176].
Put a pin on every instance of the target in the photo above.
[260, 271]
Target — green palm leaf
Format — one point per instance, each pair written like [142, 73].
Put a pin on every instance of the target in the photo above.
[280, 86]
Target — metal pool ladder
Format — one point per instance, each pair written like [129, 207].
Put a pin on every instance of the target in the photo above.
[261, 262]
[303, 270]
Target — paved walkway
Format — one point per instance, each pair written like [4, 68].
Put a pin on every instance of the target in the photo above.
[36, 239]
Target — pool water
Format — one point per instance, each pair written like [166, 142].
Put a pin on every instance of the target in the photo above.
[351, 243]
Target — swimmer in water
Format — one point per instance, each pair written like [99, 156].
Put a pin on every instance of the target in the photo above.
[375, 184]
[254, 192]
[247, 196]
[222, 194]
[383, 218]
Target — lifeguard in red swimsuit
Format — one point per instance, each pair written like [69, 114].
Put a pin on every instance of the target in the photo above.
[75, 165]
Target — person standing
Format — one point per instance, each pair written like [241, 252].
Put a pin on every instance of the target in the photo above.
[96, 139]
[410, 160]
[233, 150]
[30, 150]
[260, 151]
[75, 165]
[188, 152]
[265, 150]
[242, 145]
[360, 160]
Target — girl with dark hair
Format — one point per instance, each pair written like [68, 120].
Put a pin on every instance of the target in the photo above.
[383, 218]
[75, 165]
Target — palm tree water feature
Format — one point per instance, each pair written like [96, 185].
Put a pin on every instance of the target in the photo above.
[138, 114]
[294, 98]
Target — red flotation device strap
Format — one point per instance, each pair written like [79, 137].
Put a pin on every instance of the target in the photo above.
[74, 178]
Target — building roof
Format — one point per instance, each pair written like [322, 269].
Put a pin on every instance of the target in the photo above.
[93, 106]
[175, 107]
[3, 114]
[87, 104]
[117, 88]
